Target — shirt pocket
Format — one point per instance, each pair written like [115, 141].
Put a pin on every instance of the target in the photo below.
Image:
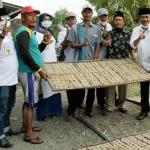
[7, 49]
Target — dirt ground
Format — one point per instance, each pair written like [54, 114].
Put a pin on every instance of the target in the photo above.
[61, 135]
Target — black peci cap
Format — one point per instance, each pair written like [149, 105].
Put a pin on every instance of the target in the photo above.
[143, 11]
[118, 14]
[3, 11]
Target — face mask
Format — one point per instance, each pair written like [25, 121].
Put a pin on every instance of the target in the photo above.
[46, 24]
[145, 26]
[102, 23]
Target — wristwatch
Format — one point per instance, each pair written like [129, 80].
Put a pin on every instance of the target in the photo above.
[1, 36]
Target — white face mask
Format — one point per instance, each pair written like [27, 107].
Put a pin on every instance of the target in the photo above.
[144, 26]
[46, 24]
[102, 23]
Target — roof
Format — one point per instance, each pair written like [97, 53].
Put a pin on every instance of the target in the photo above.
[13, 10]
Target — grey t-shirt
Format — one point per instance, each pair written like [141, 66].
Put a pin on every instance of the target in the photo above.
[93, 35]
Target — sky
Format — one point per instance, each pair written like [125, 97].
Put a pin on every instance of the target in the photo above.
[51, 6]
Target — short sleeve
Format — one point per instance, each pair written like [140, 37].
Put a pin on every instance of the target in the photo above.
[72, 36]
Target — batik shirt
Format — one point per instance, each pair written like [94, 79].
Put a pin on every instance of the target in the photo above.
[120, 44]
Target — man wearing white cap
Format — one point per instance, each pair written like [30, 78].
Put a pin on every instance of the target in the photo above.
[105, 27]
[67, 51]
[85, 37]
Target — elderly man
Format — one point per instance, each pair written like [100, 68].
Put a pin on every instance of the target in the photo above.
[105, 27]
[85, 37]
[140, 39]
[118, 47]
[30, 68]
[8, 77]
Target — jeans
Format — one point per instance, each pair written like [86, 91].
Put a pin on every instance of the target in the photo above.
[7, 101]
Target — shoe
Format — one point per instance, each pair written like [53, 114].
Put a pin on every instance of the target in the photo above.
[10, 132]
[81, 106]
[91, 114]
[102, 106]
[106, 112]
[123, 110]
[142, 115]
[5, 144]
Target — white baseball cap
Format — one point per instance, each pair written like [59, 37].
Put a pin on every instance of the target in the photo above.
[87, 6]
[70, 14]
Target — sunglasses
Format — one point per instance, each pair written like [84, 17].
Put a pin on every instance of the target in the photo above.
[2, 19]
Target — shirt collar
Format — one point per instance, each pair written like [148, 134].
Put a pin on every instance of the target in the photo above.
[141, 29]
[91, 24]
[124, 31]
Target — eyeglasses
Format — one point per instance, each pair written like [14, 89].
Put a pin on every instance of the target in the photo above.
[2, 19]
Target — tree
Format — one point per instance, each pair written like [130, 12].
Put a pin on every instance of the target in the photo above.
[128, 7]
[59, 16]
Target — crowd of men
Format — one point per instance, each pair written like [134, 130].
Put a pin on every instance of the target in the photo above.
[79, 41]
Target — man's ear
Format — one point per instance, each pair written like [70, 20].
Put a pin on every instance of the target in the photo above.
[22, 17]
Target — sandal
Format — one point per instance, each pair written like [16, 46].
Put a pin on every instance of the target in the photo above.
[35, 129]
[33, 140]
[70, 118]
[91, 115]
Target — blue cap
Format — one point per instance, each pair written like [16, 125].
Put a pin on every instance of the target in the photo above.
[103, 11]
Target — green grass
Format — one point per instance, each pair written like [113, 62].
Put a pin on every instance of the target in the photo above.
[133, 90]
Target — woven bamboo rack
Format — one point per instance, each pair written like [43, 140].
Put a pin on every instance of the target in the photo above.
[94, 74]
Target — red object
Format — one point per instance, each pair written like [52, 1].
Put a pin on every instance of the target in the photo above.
[29, 9]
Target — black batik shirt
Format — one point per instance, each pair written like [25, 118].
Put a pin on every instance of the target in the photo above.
[120, 44]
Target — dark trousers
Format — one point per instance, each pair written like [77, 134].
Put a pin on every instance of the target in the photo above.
[100, 94]
[76, 94]
[80, 99]
[145, 96]
[7, 101]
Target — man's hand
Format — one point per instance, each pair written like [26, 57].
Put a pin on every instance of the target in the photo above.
[44, 75]
[142, 35]
[47, 36]
[106, 43]
[105, 32]
[5, 30]
[85, 43]
[60, 47]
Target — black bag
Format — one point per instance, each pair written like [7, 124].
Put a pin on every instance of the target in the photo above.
[62, 56]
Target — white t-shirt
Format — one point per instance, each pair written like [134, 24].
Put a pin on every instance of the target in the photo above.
[8, 62]
[143, 46]
[103, 49]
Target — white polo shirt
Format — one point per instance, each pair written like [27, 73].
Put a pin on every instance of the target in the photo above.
[8, 62]
[103, 49]
[143, 46]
